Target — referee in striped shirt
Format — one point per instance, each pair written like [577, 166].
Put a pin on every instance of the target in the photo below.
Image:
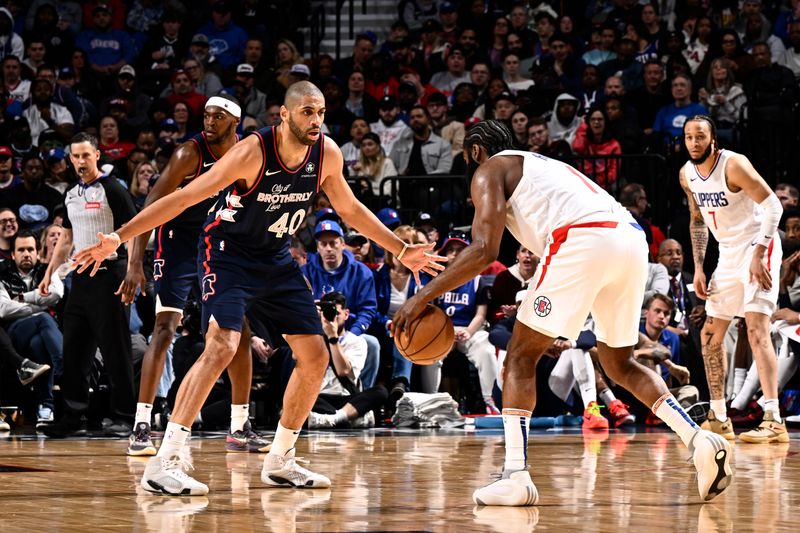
[93, 316]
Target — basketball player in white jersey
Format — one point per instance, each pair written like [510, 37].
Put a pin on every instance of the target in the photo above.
[727, 195]
[594, 259]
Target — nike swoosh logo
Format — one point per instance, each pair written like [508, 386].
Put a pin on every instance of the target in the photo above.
[268, 173]
[206, 165]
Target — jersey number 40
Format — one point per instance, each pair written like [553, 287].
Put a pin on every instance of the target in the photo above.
[283, 225]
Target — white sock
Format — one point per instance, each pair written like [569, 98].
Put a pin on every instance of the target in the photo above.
[584, 374]
[174, 439]
[239, 415]
[339, 416]
[607, 397]
[721, 412]
[738, 379]
[749, 388]
[668, 410]
[284, 440]
[516, 431]
[773, 407]
[143, 412]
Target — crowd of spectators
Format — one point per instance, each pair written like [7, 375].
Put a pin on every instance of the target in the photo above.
[587, 82]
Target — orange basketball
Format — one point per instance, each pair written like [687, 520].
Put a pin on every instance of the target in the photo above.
[427, 339]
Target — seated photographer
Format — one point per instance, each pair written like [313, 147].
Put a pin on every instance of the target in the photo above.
[341, 402]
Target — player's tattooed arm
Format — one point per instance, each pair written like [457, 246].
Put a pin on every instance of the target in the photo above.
[697, 225]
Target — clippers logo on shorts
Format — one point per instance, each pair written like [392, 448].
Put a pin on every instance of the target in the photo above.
[208, 286]
[158, 265]
[542, 306]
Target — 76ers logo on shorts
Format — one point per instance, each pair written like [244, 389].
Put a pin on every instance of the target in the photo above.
[542, 305]
[208, 286]
[158, 268]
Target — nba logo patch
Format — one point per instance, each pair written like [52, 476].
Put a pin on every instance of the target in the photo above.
[542, 306]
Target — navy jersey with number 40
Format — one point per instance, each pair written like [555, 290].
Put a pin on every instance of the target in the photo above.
[256, 224]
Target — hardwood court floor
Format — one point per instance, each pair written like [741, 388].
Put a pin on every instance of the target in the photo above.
[396, 480]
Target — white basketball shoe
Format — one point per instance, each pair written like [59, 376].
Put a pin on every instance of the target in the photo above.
[283, 471]
[712, 459]
[167, 475]
[512, 489]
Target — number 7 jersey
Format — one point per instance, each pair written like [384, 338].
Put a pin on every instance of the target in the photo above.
[255, 224]
[733, 217]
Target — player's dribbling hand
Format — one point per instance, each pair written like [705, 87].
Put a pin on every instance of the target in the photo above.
[418, 258]
[411, 309]
[93, 256]
[134, 279]
[760, 274]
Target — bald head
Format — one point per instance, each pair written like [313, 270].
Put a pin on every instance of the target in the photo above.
[300, 90]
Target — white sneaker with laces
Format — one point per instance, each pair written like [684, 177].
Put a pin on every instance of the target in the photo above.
[513, 489]
[283, 471]
[320, 421]
[712, 459]
[44, 416]
[167, 475]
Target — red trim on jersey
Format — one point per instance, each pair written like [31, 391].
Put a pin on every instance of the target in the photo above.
[199, 159]
[321, 158]
[704, 178]
[263, 166]
[560, 236]
[769, 253]
[210, 151]
[278, 155]
[586, 181]
[159, 247]
[207, 240]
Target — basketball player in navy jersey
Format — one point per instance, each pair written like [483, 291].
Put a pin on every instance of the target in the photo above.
[175, 273]
[269, 181]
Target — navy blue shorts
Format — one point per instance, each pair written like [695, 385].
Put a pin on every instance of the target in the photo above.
[281, 291]
[174, 267]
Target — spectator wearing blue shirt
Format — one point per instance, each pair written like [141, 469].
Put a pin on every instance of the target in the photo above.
[333, 268]
[226, 40]
[670, 118]
[106, 48]
[657, 314]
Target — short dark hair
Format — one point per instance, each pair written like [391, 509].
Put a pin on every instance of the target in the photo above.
[24, 234]
[84, 137]
[491, 135]
[336, 297]
[630, 194]
[703, 118]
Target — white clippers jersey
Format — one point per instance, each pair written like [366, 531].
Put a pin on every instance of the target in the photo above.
[551, 195]
[733, 217]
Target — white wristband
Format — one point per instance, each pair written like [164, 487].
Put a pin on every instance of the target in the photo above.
[402, 252]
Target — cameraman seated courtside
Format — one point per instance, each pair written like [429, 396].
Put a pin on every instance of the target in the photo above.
[341, 402]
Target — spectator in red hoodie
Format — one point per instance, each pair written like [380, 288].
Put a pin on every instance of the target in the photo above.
[592, 138]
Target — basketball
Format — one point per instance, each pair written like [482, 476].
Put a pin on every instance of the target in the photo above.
[427, 339]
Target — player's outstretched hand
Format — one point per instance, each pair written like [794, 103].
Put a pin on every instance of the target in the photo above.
[759, 273]
[411, 309]
[700, 287]
[134, 279]
[418, 258]
[93, 256]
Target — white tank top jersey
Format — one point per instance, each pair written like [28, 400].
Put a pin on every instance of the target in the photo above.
[551, 195]
[733, 217]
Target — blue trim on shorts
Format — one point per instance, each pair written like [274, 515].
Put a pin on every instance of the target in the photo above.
[637, 226]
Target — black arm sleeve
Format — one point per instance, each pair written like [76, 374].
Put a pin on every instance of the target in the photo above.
[120, 202]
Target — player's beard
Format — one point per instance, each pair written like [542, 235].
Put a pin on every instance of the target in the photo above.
[299, 134]
[702, 159]
[472, 166]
